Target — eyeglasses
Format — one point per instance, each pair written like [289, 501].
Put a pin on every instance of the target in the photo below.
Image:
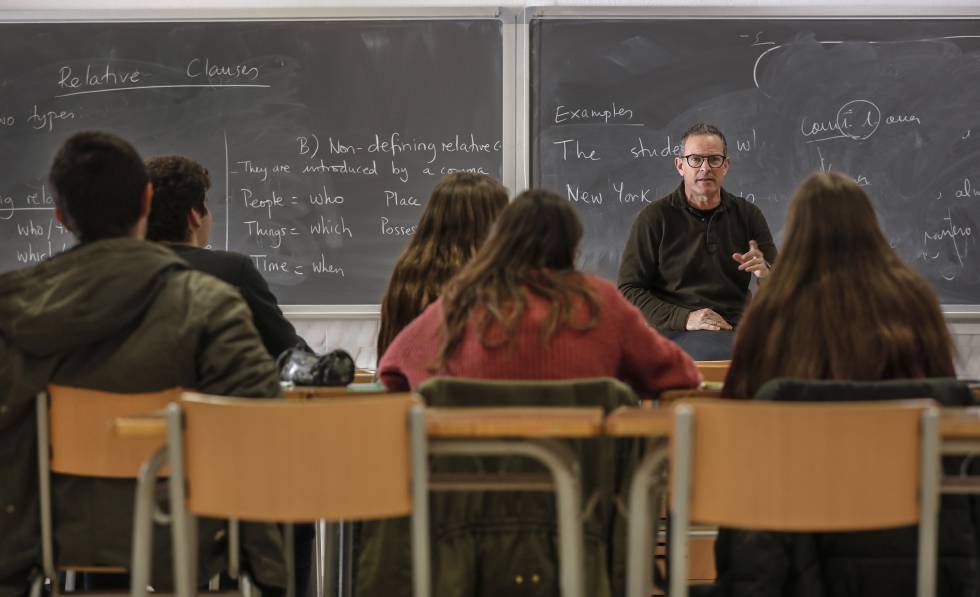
[694, 160]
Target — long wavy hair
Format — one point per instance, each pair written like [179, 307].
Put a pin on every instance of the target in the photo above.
[840, 304]
[455, 222]
[531, 248]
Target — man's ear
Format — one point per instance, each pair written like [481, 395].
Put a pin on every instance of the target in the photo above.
[62, 219]
[679, 165]
[193, 219]
[146, 201]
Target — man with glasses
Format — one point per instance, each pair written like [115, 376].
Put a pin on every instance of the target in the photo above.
[691, 255]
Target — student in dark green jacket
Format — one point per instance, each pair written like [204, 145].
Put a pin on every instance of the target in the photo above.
[121, 314]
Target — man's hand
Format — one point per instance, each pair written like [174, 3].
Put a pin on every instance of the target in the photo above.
[753, 262]
[706, 319]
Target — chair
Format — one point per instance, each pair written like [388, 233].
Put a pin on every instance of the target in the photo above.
[75, 437]
[807, 467]
[595, 465]
[369, 454]
[713, 371]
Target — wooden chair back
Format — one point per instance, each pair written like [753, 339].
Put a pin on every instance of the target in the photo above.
[82, 434]
[713, 371]
[293, 461]
[806, 466]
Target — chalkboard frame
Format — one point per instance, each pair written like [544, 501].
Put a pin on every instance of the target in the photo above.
[954, 313]
[512, 26]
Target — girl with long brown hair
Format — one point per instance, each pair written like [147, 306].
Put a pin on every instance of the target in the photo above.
[456, 219]
[520, 310]
[842, 304]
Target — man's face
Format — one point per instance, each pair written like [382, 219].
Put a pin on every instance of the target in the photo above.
[704, 180]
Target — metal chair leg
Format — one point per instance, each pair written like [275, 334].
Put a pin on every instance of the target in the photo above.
[641, 531]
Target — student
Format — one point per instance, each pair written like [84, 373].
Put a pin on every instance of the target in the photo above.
[520, 310]
[456, 219]
[120, 314]
[841, 305]
[180, 218]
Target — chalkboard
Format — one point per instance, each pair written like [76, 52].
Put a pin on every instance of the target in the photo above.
[893, 103]
[323, 138]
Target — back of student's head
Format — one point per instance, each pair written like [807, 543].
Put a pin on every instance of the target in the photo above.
[531, 248]
[537, 230]
[832, 223]
[840, 304]
[180, 185]
[456, 219]
[98, 181]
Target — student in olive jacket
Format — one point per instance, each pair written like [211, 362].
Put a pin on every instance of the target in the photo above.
[120, 314]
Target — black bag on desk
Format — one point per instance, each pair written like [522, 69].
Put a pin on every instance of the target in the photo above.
[305, 368]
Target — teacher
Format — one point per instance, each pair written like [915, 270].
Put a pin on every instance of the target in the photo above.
[691, 255]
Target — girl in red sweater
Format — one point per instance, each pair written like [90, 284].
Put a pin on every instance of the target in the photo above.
[520, 310]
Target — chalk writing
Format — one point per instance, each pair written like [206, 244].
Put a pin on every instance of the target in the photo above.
[273, 232]
[392, 199]
[325, 227]
[631, 197]
[857, 120]
[578, 153]
[966, 191]
[322, 267]
[668, 150]
[614, 112]
[578, 196]
[272, 265]
[203, 68]
[951, 231]
[388, 229]
[41, 120]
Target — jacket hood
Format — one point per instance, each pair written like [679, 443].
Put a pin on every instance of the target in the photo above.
[83, 295]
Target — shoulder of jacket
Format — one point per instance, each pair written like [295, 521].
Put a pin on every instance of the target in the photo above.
[203, 288]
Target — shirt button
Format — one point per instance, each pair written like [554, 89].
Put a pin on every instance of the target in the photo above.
[519, 579]
[3, 409]
[10, 508]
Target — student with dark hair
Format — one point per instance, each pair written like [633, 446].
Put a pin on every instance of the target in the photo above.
[520, 310]
[456, 219]
[114, 313]
[180, 218]
[842, 306]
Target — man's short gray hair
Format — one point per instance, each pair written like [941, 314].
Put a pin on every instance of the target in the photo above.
[703, 128]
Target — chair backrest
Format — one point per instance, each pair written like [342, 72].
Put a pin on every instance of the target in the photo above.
[292, 461]
[604, 392]
[82, 437]
[805, 466]
[713, 371]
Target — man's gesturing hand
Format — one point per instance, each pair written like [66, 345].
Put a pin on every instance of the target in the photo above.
[753, 261]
